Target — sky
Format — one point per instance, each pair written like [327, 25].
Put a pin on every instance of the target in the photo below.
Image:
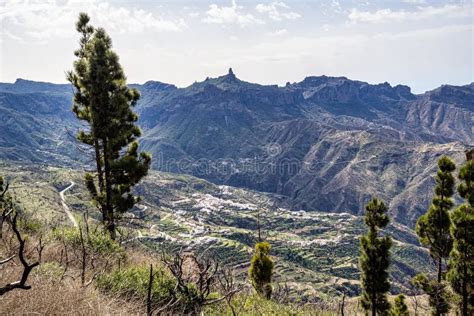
[419, 43]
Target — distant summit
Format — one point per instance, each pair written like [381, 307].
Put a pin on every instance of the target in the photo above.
[28, 86]
[463, 95]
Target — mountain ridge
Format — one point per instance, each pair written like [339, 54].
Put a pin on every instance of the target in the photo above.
[304, 140]
[22, 82]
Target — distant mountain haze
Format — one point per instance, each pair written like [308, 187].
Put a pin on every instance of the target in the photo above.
[326, 143]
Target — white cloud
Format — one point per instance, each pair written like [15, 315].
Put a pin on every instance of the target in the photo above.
[415, 1]
[279, 32]
[274, 11]
[388, 15]
[194, 14]
[229, 15]
[427, 32]
[44, 20]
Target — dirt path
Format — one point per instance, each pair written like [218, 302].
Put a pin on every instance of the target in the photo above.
[65, 207]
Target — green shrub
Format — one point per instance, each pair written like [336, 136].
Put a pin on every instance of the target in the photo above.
[132, 283]
[30, 225]
[261, 270]
[50, 270]
[96, 242]
[439, 295]
[399, 307]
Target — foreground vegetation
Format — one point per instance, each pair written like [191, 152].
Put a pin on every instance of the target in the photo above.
[116, 280]
[118, 272]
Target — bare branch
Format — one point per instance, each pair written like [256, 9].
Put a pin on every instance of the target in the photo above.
[203, 275]
[7, 259]
[94, 276]
[5, 190]
[27, 268]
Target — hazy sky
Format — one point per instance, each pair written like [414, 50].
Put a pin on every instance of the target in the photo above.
[421, 43]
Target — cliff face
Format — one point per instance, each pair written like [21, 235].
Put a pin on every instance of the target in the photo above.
[326, 143]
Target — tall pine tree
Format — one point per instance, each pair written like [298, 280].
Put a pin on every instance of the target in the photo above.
[374, 260]
[104, 102]
[461, 263]
[433, 226]
[438, 295]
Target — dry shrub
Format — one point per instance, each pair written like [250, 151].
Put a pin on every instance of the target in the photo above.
[55, 289]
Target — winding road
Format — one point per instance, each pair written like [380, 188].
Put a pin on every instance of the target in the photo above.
[73, 219]
[65, 207]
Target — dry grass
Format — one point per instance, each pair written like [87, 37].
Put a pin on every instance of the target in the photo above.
[48, 297]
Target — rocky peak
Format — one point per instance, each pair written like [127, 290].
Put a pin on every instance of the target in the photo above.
[229, 77]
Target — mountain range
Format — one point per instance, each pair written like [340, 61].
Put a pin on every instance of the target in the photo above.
[325, 143]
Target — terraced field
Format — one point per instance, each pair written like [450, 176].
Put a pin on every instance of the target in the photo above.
[316, 253]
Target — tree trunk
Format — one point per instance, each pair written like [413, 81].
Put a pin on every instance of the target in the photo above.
[464, 291]
[343, 303]
[150, 286]
[440, 269]
[110, 222]
[374, 303]
[438, 289]
[100, 174]
[84, 255]
[258, 226]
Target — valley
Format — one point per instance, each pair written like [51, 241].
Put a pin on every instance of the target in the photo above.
[316, 252]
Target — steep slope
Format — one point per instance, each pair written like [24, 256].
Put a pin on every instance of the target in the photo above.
[36, 123]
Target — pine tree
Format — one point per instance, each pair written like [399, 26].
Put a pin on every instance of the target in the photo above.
[261, 269]
[374, 260]
[433, 227]
[461, 263]
[104, 102]
[399, 307]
